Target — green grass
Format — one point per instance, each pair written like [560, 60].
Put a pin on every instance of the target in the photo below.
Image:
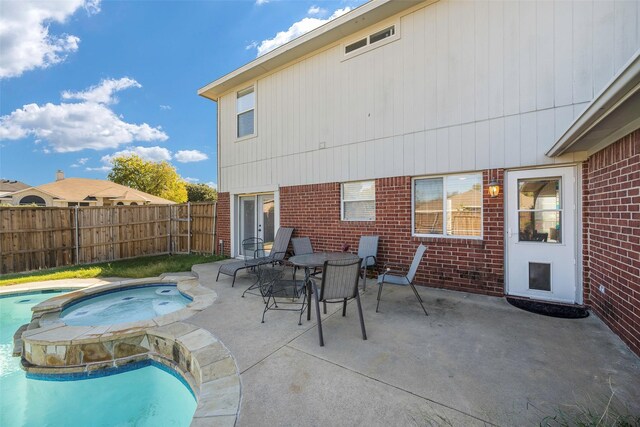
[131, 268]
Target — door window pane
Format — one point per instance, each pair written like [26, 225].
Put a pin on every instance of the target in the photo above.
[539, 194]
[539, 210]
[539, 226]
[247, 219]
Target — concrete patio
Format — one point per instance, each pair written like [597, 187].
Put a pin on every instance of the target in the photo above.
[474, 360]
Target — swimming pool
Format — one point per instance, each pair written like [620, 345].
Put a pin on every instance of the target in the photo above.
[148, 396]
[125, 305]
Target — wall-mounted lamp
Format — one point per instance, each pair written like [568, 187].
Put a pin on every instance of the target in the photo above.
[494, 188]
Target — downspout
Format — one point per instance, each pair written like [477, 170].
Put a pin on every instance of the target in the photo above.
[218, 149]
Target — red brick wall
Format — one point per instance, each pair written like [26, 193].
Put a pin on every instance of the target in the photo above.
[223, 224]
[613, 226]
[460, 264]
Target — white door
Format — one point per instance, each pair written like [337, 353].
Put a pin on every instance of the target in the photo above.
[541, 234]
[256, 220]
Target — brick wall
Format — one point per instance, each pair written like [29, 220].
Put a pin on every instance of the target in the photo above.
[612, 204]
[460, 264]
[223, 225]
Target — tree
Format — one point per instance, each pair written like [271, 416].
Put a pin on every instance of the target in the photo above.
[201, 193]
[157, 178]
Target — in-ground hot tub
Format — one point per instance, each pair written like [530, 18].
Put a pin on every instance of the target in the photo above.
[125, 305]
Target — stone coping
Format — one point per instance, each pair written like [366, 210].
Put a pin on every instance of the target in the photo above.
[50, 347]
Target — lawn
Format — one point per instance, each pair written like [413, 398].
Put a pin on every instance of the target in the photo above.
[130, 268]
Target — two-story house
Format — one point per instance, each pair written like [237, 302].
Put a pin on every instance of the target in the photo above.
[502, 134]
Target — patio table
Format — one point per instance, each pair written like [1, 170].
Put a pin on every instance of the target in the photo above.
[316, 259]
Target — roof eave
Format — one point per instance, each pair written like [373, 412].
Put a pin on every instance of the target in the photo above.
[363, 16]
[625, 86]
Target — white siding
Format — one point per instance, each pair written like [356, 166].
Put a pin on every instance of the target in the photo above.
[468, 85]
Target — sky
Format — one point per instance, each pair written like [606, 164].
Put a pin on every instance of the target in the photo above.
[83, 81]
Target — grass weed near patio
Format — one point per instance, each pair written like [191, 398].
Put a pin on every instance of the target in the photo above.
[134, 268]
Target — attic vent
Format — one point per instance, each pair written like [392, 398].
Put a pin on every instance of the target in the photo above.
[353, 46]
[381, 35]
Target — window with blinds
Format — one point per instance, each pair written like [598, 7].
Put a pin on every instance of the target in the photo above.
[245, 108]
[359, 201]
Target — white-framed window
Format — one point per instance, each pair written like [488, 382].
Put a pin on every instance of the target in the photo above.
[366, 42]
[448, 206]
[358, 201]
[245, 110]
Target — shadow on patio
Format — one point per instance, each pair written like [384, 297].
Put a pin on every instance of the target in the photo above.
[474, 360]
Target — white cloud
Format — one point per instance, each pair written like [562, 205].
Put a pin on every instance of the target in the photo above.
[212, 184]
[69, 127]
[24, 33]
[103, 92]
[80, 162]
[165, 107]
[191, 180]
[261, 2]
[154, 154]
[189, 156]
[316, 10]
[99, 169]
[296, 30]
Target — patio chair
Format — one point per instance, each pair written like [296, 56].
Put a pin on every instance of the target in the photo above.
[302, 246]
[368, 251]
[279, 293]
[339, 284]
[277, 254]
[403, 277]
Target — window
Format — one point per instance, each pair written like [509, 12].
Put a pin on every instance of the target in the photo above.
[245, 104]
[359, 201]
[381, 35]
[353, 46]
[371, 41]
[448, 206]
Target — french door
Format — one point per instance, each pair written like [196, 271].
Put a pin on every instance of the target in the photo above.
[256, 215]
[541, 234]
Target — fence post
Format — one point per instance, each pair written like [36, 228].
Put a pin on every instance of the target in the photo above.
[215, 219]
[188, 227]
[77, 237]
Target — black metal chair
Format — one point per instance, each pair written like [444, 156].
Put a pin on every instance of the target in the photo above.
[339, 284]
[278, 253]
[279, 293]
[302, 246]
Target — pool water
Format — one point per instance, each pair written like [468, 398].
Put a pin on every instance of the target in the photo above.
[127, 305]
[148, 396]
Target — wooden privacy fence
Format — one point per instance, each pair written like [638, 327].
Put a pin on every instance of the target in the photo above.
[37, 238]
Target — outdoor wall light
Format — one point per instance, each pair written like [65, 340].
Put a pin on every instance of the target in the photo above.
[494, 188]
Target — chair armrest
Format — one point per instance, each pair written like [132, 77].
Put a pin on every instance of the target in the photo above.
[395, 269]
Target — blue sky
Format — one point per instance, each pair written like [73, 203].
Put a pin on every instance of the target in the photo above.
[84, 80]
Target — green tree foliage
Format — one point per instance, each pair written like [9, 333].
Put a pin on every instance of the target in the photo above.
[157, 178]
[201, 193]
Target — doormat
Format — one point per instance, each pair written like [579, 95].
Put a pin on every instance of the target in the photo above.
[564, 311]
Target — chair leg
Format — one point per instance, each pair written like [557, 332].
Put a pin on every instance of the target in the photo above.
[364, 332]
[234, 279]
[315, 291]
[379, 293]
[344, 307]
[218, 276]
[415, 291]
[324, 306]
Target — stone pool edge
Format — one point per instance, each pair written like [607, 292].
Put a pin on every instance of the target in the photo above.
[204, 363]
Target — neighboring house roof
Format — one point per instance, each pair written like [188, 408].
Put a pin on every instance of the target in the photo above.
[612, 114]
[8, 186]
[358, 19]
[78, 189]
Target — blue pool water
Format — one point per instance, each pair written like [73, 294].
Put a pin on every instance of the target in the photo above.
[127, 305]
[148, 396]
